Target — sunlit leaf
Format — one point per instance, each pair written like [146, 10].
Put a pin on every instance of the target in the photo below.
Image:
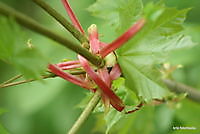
[138, 58]
[161, 34]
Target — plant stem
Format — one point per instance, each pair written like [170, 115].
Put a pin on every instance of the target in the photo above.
[34, 26]
[3, 85]
[64, 22]
[176, 87]
[193, 94]
[85, 114]
[16, 83]
[8, 84]
[12, 79]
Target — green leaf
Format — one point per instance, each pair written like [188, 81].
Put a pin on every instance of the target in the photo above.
[193, 53]
[30, 62]
[161, 34]
[115, 11]
[113, 116]
[16, 50]
[10, 39]
[148, 120]
[139, 122]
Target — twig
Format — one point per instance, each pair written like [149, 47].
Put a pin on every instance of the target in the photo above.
[34, 26]
[64, 22]
[85, 114]
[11, 79]
[6, 84]
[24, 81]
[16, 83]
[176, 87]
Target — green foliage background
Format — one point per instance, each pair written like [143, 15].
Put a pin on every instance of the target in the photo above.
[51, 106]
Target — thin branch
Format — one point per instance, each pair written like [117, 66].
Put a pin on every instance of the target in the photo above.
[5, 84]
[11, 79]
[85, 114]
[64, 22]
[176, 87]
[72, 16]
[25, 81]
[34, 26]
[16, 83]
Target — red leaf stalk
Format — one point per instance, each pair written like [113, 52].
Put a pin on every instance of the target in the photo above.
[115, 72]
[72, 16]
[67, 76]
[62, 64]
[123, 38]
[115, 101]
[71, 67]
[94, 39]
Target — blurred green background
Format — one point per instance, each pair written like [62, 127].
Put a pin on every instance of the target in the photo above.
[51, 106]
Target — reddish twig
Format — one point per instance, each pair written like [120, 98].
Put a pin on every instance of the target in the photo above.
[72, 16]
[123, 38]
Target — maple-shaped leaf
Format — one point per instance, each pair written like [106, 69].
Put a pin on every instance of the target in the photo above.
[115, 11]
[161, 34]
[16, 50]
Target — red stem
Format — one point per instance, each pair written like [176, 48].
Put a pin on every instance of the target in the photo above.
[94, 39]
[104, 75]
[71, 67]
[115, 101]
[123, 38]
[62, 64]
[56, 70]
[72, 16]
[115, 72]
